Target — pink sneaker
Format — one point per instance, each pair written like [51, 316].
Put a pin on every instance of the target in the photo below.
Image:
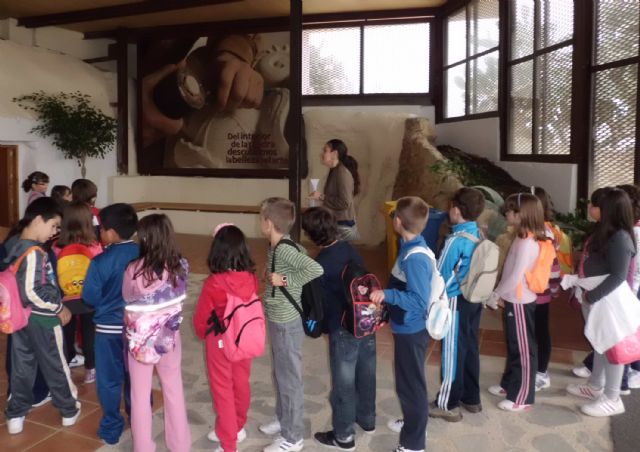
[585, 391]
[508, 405]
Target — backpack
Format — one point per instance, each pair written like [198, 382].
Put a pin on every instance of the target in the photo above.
[13, 315]
[564, 250]
[438, 310]
[73, 264]
[538, 277]
[362, 317]
[312, 310]
[242, 328]
[483, 270]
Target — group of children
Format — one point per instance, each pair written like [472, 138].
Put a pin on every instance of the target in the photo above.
[129, 302]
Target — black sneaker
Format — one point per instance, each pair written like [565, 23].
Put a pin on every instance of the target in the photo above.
[367, 430]
[328, 439]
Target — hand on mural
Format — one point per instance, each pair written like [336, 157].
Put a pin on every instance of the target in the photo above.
[239, 85]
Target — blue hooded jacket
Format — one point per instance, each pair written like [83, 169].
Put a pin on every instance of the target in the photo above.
[455, 258]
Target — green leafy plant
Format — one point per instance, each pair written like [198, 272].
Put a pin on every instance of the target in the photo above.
[576, 223]
[75, 126]
[466, 173]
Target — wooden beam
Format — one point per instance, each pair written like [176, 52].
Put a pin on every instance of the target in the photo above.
[99, 59]
[295, 111]
[123, 103]
[110, 12]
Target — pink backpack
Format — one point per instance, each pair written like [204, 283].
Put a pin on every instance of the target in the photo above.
[13, 315]
[241, 332]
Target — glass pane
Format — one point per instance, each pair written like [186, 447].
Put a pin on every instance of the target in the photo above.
[520, 109]
[456, 77]
[556, 22]
[457, 36]
[522, 27]
[483, 84]
[616, 30]
[331, 61]
[553, 102]
[614, 127]
[396, 58]
[484, 25]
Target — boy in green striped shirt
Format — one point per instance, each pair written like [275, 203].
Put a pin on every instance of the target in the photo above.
[293, 269]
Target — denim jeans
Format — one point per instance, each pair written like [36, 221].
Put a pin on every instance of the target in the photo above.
[353, 375]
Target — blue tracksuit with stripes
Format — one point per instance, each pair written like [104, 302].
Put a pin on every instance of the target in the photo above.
[460, 351]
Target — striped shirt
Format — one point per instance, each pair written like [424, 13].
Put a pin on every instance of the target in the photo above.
[299, 270]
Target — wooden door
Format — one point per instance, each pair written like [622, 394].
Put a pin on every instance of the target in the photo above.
[8, 186]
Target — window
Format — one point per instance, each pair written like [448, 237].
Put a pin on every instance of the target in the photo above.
[369, 59]
[614, 127]
[471, 60]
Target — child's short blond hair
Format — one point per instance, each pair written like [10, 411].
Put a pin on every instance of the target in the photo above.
[280, 211]
[413, 213]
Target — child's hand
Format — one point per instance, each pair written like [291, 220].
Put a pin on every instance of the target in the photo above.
[500, 303]
[277, 280]
[377, 296]
[493, 301]
[64, 316]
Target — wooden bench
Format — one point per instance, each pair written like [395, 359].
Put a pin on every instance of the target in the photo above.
[193, 207]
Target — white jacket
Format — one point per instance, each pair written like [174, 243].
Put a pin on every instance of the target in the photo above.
[612, 318]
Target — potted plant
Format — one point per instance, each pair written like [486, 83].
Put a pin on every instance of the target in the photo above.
[75, 126]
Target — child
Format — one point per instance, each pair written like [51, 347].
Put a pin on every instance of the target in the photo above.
[74, 250]
[153, 287]
[460, 350]
[543, 335]
[352, 360]
[85, 191]
[293, 269]
[62, 194]
[232, 271]
[40, 342]
[524, 212]
[608, 252]
[408, 300]
[103, 291]
[36, 185]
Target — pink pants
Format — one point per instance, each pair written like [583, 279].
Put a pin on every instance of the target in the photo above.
[176, 427]
[231, 393]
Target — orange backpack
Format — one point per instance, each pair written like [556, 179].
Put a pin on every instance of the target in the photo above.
[538, 277]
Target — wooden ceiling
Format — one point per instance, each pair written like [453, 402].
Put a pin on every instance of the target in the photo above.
[113, 14]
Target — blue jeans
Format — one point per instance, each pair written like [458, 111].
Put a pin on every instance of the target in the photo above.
[353, 374]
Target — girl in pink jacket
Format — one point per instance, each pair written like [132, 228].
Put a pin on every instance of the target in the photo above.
[154, 287]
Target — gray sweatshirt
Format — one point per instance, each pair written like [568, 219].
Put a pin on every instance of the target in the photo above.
[615, 263]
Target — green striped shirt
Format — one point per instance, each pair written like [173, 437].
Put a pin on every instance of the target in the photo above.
[299, 269]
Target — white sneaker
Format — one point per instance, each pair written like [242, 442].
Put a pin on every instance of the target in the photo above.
[634, 379]
[497, 390]
[508, 405]
[271, 428]
[15, 425]
[542, 381]
[603, 407]
[585, 391]
[625, 391]
[404, 449]
[242, 435]
[77, 361]
[582, 372]
[44, 401]
[282, 445]
[69, 421]
[395, 425]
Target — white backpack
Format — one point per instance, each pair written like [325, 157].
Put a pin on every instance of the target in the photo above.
[438, 311]
[483, 270]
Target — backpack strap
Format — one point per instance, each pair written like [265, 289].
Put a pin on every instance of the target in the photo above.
[15, 265]
[273, 267]
[466, 235]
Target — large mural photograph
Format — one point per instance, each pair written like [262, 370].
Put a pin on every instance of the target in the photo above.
[214, 102]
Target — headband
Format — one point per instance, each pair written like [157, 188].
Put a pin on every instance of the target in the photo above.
[220, 226]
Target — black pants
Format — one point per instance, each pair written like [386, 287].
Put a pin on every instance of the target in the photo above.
[88, 339]
[543, 336]
[410, 351]
[519, 378]
[40, 388]
[461, 356]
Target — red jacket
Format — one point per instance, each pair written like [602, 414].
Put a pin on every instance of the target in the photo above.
[214, 296]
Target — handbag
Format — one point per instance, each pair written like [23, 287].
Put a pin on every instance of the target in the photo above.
[626, 351]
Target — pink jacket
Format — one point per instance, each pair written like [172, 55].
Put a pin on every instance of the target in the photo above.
[513, 284]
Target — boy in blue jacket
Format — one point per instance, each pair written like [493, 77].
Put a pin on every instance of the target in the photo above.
[460, 352]
[408, 298]
[103, 290]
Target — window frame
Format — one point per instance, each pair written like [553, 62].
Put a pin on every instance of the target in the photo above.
[362, 98]
[467, 61]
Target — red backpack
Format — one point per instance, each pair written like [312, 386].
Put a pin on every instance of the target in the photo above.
[13, 315]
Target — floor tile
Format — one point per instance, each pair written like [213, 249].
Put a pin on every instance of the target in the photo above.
[63, 441]
[31, 435]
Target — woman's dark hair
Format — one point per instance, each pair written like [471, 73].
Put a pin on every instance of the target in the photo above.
[229, 252]
[633, 191]
[37, 177]
[349, 162]
[547, 203]
[320, 225]
[44, 207]
[77, 225]
[598, 195]
[158, 249]
[59, 191]
[617, 214]
[84, 190]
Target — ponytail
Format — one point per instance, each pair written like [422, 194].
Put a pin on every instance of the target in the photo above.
[37, 177]
[349, 162]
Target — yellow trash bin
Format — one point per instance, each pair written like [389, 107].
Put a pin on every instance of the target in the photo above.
[392, 238]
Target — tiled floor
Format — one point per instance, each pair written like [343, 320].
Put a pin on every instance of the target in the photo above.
[43, 431]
